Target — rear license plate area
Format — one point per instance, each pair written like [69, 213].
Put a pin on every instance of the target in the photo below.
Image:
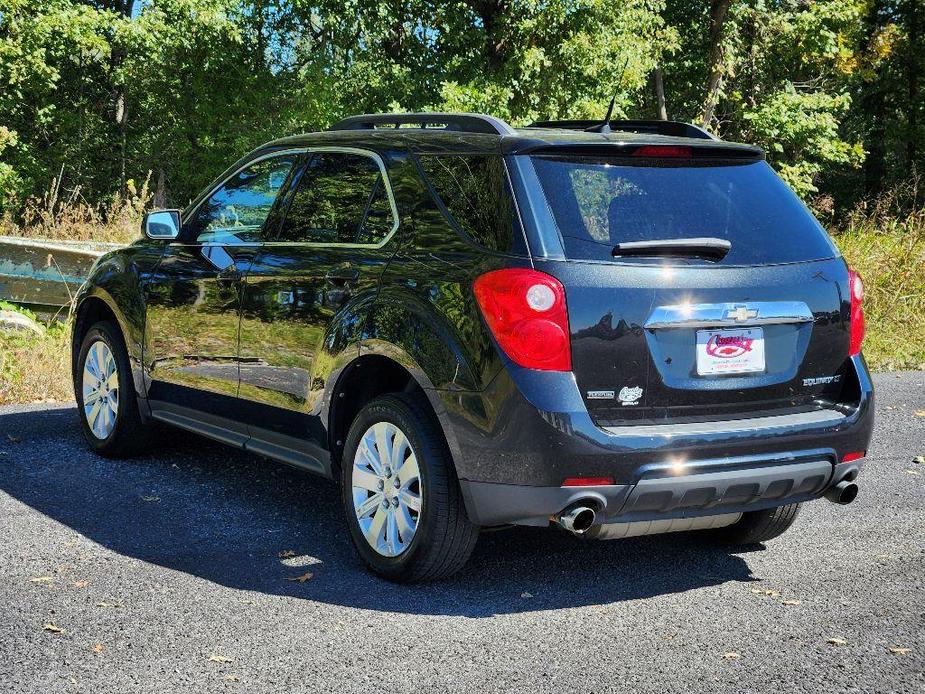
[730, 351]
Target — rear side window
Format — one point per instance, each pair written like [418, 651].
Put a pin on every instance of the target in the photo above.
[341, 197]
[474, 189]
[598, 203]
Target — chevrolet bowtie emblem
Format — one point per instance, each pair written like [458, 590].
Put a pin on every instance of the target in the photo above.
[741, 313]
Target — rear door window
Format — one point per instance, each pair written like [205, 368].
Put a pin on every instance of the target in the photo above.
[600, 202]
[341, 198]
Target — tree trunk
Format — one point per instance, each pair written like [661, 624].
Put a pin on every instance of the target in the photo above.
[719, 9]
[873, 105]
[912, 81]
[659, 79]
[160, 190]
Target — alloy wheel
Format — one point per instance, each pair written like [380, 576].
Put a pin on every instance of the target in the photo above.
[386, 489]
[100, 389]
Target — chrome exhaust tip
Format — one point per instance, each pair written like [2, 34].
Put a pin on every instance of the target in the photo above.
[842, 493]
[577, 519]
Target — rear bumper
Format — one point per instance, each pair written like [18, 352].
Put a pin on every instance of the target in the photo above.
[515, 444]
[749, 485]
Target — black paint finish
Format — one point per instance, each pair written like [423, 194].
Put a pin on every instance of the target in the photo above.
[253, 343]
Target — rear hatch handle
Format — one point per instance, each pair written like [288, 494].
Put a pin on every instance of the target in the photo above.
[706, 248]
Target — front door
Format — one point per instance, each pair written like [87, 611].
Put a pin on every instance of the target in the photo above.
[307, 287]
[194, 300]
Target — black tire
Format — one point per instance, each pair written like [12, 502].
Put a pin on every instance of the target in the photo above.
[130, 435]
[759, 526]
[445, 537]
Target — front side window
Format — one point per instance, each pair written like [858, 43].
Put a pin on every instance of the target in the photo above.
[237, 211]
[342, 197]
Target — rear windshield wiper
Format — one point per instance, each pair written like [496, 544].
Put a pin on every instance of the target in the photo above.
[708, 248]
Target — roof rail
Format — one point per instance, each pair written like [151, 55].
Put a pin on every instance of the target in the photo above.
[457, 122]
[655, 127]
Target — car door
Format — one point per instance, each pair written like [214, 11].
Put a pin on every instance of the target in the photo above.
[305, 289]
[194, 299]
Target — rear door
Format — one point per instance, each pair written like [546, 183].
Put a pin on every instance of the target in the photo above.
[682, 331]
[306, 288]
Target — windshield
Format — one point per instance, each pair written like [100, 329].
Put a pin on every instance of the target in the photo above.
[598, 203]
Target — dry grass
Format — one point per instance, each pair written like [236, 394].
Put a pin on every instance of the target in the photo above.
[888, 250]
[36, 368]
[67, 216]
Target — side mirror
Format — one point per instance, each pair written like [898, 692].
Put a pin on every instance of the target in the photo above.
[161, 225]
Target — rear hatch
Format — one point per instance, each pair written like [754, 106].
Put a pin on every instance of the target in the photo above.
[697, 287]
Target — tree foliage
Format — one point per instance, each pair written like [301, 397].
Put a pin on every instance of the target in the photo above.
[98, 93]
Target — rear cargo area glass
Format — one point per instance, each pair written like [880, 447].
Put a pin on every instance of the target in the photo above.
[598, 202]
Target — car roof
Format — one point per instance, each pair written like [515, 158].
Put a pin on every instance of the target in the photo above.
[480, 133]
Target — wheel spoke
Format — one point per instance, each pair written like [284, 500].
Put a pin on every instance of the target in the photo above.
[406, 524]
[91, 396]
[383, 444]
[113, 381]
[409, 472]
[365, 480]
[374, 531]
[369, 454]
[399, 447]
[410, 499]
[368, 506]
[392, 541]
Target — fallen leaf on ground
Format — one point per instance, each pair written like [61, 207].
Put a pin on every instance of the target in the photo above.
[912, 472]
[919, 460]
[232, 678]
[920, 413]
[248, 602]
[301, 579]
[899, 650]
[731, 655]
[768, 592]
[790, 602]
[98, 648]
[151, 498]
[286, 553]
[80, 584]
[526, 595]
[41, 579]
[13, 439]
[835, 641]
[53, 628]
[220, 659]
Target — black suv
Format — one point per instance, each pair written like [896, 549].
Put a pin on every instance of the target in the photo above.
[624, 328]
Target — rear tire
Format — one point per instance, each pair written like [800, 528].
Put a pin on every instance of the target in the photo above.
[115, 428]
[396, 540]
[759, 526]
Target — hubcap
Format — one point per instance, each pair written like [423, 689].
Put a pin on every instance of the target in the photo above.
[386, 489]
[100, 389]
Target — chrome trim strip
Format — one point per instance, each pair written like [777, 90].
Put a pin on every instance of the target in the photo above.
[730, 426]
[721, 315]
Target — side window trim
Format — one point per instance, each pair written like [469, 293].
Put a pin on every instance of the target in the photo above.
[386, 183]
[300, 151]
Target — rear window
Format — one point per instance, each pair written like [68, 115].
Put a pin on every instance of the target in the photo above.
[600, 202]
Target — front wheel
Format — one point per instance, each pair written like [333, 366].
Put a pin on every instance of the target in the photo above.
[401, 495]
[105, 393]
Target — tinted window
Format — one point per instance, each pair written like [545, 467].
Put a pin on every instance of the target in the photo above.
[598, 203]
[236, 212]
[341, 198]
[475, 191]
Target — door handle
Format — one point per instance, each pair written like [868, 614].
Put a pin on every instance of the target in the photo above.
[342, 276]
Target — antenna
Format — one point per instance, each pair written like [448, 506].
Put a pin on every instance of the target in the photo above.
[605, 126]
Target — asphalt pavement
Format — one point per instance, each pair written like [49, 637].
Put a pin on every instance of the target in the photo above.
[199, 568]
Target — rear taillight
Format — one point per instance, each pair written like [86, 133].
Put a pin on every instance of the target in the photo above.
[856, 289]
[525, 311]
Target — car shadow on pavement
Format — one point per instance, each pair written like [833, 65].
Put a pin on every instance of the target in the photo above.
[226, 516]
